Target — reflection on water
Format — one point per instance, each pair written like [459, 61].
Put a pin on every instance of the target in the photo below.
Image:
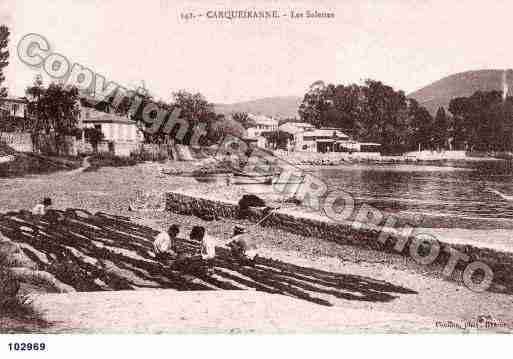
[451, 196]
[443, 191]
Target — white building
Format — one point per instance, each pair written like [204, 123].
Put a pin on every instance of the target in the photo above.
[120, 133]
[306, 138]
[322, 140]
[115, 128]
[14, 107]
[295, 129]
[262, 124]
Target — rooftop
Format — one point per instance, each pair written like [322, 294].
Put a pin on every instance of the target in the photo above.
[326, 132]
[90, 115]
[295, 127]
[263, 120]
[13, 99]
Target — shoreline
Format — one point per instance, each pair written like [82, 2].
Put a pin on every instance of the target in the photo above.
[494, 254]
[447, 164]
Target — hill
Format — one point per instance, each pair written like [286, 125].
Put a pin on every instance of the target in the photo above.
[441, 92]
[432, 96]
[282, 106]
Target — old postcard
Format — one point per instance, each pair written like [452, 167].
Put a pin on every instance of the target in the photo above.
[236, 167]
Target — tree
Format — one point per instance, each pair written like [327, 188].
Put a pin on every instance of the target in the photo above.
[315, 103]
[333, 106]
[195, 110]
[224, 127]
[369, 112]
[345, 113]
[194, 107]
[482, 121]
[157, 136]
[420, 127]
[243, 119]
[53, 110]
[441, 129]
[383, 115]
[37, 89]
[459, 107]
[4, 56]
[94, 136]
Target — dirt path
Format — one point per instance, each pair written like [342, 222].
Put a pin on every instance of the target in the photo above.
[85, 164]
[168, 311]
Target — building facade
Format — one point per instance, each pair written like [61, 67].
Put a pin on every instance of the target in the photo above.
[14, 107]
[121, 135]
[262, 124]
[306, 138]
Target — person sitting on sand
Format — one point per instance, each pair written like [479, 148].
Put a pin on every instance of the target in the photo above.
[242, 246]
[41, 209]
[163, 244]
[207, 242]
[199, 264]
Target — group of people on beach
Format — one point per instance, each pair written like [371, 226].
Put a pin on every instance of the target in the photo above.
[168, 248]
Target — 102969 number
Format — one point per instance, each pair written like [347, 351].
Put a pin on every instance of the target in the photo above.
[19, 347]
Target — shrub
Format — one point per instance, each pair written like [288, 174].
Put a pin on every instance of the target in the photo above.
[142, 156]
[94, 136]
[22, 166]
[26, 163]
[11, 304]
[109, 160]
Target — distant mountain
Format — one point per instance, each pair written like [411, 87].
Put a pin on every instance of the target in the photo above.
[282, 106]
[441, 92]
[432, 97]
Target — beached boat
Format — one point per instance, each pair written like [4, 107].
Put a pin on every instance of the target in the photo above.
[251, 178]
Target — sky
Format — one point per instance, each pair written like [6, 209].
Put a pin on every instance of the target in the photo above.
[405, 44]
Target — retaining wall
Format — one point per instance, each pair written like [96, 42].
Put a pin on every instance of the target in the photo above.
[320, 226]
[19, 141]
[436, 155]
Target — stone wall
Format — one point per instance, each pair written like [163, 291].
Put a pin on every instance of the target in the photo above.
[501, 262]
[436, 155]
[124, 149]
[19, 141]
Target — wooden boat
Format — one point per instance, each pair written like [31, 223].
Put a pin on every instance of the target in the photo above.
[248, 178]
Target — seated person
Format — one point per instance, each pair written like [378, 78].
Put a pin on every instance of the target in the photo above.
[242, 245]
[208, 243]
[202, 263]
[40, 209]
[163, 244]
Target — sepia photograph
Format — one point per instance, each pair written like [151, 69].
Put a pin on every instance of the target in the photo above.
[274, 167]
